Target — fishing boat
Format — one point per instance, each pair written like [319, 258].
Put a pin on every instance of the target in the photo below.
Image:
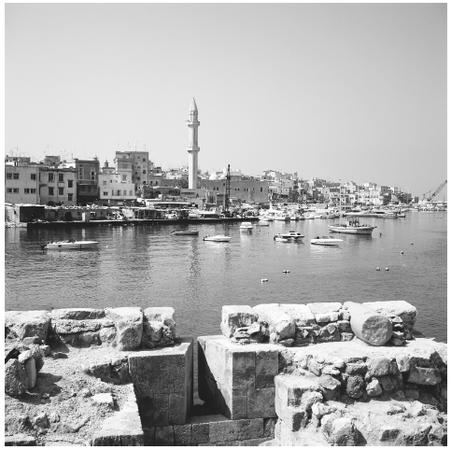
[217, 238]
[325, 240]
[352, 227]
[70, 245]
[246, 226]
[185, 233]
[294, 235]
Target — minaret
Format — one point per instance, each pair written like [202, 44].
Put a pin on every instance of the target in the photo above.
[193, 148]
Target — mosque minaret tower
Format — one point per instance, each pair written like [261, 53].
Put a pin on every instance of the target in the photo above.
[193, 147]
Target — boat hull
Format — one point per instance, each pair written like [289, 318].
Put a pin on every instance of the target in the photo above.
[185, 233]
[367, 231]
[77, 245]
[217, 238]
[326, 242]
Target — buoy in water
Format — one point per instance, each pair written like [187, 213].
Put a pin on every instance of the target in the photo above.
[263, 280]
[387, 269]
[402, 252]
[286, 271]
[411, 243]
[378, 269]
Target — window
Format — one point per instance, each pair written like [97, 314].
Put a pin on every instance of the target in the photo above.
[15, 190]
[9, 190]
[131, 193]
[261, 189]
[144, 172]
[70, 197]
[105, 193]
[33, 176]
[124, 177]
[70, 183]
[26, 191]
[60, 191]
[51, 177]
[61, 177]
[9, 176]
[50, 191]
[33, 191]
[15, 176]
[93, 175]
[125, 193]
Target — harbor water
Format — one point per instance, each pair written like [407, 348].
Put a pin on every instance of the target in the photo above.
[145, 265]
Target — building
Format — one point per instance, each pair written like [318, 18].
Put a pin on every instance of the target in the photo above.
[115, 188]
[57, 185]
[135, 165]
[242, 188]
[22, 184]
[87, 180]
[193, 147]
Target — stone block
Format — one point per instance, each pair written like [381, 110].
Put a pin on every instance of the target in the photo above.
[373, 388]
[401, 308]
[260, 403]
[200, 431]
[379, 367]
[301, 314]
[182, 434]
[227, 431]
[16, 382]
[266, 368]
[20, 440]
[355, 386]
[164, 435]
[243, 371]
[281, 324]
[129, 326]
[164, 377]
[236, 316]
[123, 428]
[77, 314]
[325, 312]
[342, 431]
[22, 324]
[159, 327]
[290, 389]
[425, 376]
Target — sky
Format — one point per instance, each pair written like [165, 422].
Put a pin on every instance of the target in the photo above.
[336, 91]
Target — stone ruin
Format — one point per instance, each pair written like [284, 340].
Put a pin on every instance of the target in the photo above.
[283, 374]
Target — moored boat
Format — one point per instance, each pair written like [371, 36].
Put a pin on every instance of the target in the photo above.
[185, 233]
[294, 235]
[279, 238]
[246, 226]
[70, 245]
[325, 240]
[352, 227]
[217, 238]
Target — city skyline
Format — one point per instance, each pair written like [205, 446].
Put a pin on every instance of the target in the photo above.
[332, 91]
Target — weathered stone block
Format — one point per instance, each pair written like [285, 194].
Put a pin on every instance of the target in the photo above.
[22, 324]
[164, 435]
[159, 327]
[266, 368]
[401, 308]
[281, 325]
[379, 367]
[243, 371]
[373, 388]
[20, 440]
[77, 314]
[424, 376]
[236, 316]
[301, 314]
[16, 382]
[355, 386]
[129, 326]
[123, 427]
[182, 434]
[227, 431]
[325, 312]
[164, 376]
[290, 388]
[260, 403]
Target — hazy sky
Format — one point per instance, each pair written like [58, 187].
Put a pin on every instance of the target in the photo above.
[341, 91]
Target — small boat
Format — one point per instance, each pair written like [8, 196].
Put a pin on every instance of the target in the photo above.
[263, 223]
[246, 226]
[353, 227]
[292, 235]
[279, 238]
[325, 240]
[217, 238]
[70, 245]
[185, 233]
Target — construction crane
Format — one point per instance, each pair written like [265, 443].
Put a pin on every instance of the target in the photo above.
[227, 192]
[430, 197]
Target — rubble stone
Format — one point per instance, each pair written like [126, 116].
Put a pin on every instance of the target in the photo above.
[236, 316]
[159, 328]
[15, 378]
[424, 376]
[129, 326]
[22, 324]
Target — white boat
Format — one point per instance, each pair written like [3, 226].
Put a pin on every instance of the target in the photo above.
[70, 245]
[352, 227]
[263, 223]
[246, 226]
[325, 240]
[280, 239]
[292, 235]
[217, 238]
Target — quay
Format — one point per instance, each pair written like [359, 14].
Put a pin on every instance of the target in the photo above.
[113, 222]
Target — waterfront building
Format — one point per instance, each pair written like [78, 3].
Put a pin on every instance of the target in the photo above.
[193, 147]
[22, 183]
[57, 185]
[87, 180]
[135, 165]
[115, 188]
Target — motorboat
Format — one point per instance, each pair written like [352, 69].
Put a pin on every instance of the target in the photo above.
[263, 223]
[185, 233]
[352, 227]
[279, 238]
[246, 226]
[325, 240]
[70, 245]
[217, 238]
[292, 235]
